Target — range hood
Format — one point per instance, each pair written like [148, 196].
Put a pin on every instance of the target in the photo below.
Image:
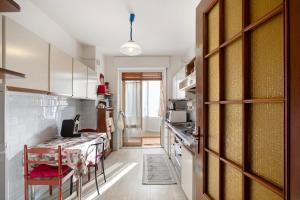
[9, 6]
[9, 74]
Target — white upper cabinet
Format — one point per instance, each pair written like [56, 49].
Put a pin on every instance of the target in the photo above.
[28, 54]
[79, 79]
[179, 76]
[92, 84]
[60, 72]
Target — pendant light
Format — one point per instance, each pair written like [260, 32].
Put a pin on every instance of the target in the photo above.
[131, 48]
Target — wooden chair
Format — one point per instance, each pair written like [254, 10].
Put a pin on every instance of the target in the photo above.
[99, 157]
[41, 172]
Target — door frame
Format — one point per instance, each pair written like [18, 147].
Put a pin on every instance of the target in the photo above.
[120, 70]
[293, 38]
[124, 111]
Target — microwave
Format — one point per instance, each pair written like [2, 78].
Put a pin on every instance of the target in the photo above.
[176, 116]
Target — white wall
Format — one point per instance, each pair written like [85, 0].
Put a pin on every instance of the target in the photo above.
[32, 18]
[113, 66]
[31, 119]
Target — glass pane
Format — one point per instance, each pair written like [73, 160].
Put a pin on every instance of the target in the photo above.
[267, 60]
[259, 8]
[258, 191]
[213, 127]
[233, 71]
[213, 28]
[233, 136]
[233, 17]
[213, 177]
[267, 142]
[213, 78]
[151, 98]
[133, 127]
[233, 184]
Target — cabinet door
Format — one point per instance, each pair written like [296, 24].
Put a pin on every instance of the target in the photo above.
[172, 145]
[60, 72]
[187, 173]
[166, 139]
[179, 77]
[92, 84]
[28, 54]
[79, 79]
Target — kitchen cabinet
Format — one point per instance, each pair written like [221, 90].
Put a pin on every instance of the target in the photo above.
[166, 139]
[80, 77]
[60, 72]
[179, 76]
[187, 172]
[171, 145]
[28, 54]
[92, 84]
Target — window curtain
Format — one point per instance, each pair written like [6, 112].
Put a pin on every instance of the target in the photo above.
[151, 105]
[133, 104]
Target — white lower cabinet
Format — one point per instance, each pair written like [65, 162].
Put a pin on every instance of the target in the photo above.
[166, 139]
[187, 182]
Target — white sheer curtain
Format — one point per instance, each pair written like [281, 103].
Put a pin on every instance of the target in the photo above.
[133, 103]
[151, 105]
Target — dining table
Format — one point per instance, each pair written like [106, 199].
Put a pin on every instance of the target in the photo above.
[76, 152]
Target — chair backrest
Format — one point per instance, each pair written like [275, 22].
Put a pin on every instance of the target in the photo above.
[88, 130]
[39, 152]
[97, 146]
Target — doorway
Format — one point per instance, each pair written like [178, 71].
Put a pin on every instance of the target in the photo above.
[141, 102]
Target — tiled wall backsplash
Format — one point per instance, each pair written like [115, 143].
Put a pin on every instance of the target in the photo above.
[33, 118]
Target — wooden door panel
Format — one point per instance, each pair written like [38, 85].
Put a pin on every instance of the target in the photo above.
[242, 99]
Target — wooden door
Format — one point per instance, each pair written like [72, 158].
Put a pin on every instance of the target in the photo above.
[242, 99]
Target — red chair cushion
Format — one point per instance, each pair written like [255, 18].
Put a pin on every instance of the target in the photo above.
[48, 171]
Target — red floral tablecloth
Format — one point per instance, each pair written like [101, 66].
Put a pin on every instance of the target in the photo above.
[75, 151]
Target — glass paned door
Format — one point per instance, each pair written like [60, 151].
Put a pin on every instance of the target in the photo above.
[132, 101]
[244, 100]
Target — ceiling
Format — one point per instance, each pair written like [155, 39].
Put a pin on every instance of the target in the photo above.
[161, 27]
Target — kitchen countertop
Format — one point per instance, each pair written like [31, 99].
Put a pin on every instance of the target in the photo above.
[186, 139]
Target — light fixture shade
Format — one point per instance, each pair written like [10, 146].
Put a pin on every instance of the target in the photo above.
[131, 48]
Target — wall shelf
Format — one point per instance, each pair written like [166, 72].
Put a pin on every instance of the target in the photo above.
[9, 6]
[33, 91]
[9, 74]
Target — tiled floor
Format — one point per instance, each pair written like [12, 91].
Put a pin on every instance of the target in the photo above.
[124, 170]
[151, 142]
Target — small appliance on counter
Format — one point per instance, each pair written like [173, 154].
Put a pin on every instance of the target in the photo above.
[177, 104]
[176, 116]
[70, 127]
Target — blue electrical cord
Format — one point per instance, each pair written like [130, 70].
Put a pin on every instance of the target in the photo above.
[131, 19]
